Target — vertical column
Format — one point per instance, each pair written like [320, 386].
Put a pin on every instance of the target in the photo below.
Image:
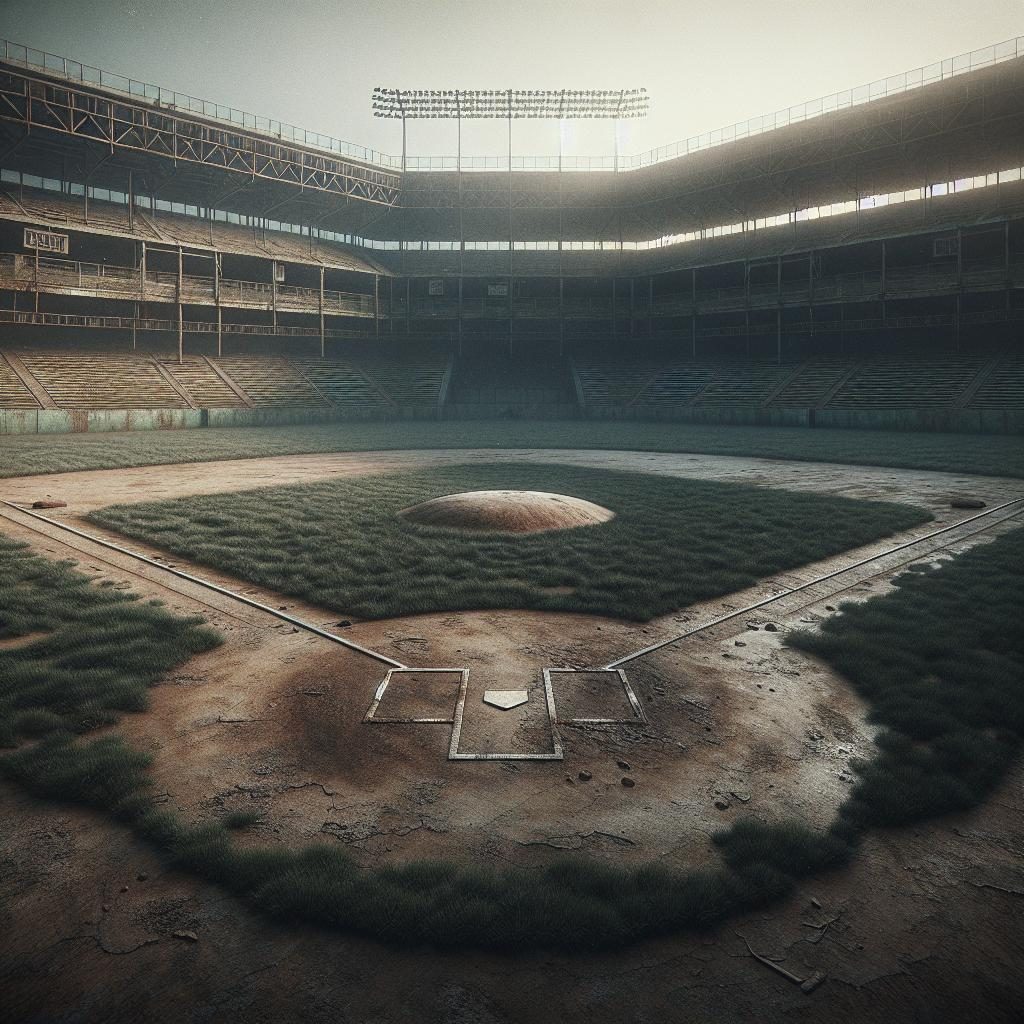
[181, 336]
[650, 307]
[615, 311]
[810, 287]
[408, 308]
[376, 305]
[1006, 262]
[959, 283]
[883, 284]
[778, 310]
[135, 321]
[632, 308]
[273, 292]
[35, 278]
[216, 299]
[561, 312]
[693, 312]
[142, 274]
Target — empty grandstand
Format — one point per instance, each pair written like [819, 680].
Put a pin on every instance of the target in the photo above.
[859, 263]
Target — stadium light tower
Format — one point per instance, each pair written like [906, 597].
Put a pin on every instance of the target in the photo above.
[456, 105]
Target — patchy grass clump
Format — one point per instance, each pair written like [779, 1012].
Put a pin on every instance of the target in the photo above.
[967, 453]
[341, 543]
[941, 662]
[99, 651]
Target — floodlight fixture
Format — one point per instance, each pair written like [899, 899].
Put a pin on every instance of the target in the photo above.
[536, 104]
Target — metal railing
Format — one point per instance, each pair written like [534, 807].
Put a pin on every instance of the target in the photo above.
[893, 85]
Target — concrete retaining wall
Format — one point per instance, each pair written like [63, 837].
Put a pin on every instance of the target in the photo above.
[60, 421]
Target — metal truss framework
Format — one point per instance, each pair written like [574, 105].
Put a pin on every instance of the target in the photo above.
[126, 125]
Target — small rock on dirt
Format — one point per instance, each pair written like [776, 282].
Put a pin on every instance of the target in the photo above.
[830, 607]
[964, 501]
[816, 903]
[722, 804]
[624, 765]
[585, 776]
[141, 876]
[740, 643]
[186, 936]
[628, 782]
[343, 622]
[771, 627]
[49, 503]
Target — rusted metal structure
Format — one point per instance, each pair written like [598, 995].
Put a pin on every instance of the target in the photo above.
[897, 206]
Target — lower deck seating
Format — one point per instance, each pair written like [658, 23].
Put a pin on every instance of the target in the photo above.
[374, 382]
[101, 380]
[1003, 388]
[812, 384]
[203, 384]
[272, 381]
[907, 383]
[415, 380]
[13, 393]
[342, 384]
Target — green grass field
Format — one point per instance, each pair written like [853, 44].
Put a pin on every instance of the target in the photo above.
[966, 453]
[341, 544]
[941, 662]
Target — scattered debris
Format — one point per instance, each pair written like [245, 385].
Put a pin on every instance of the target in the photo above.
[964, 501]
[48, 503]
[628, 782]
[722, 804]
[343, 623]
[186, 936]
[770, 627]
[624, 765]
[585, 776]
[807, 985]
[739, 643]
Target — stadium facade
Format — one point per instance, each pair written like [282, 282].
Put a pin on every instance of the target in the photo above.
[857, 260]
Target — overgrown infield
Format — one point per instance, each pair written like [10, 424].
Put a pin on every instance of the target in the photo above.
[940, 659]
[340, 543]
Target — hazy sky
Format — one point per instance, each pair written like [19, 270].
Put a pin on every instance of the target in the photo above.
[314, 62]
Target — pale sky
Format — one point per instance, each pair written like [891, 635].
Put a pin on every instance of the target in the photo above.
[314, 62]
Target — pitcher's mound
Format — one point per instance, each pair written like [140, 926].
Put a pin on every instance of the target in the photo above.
[507, 512]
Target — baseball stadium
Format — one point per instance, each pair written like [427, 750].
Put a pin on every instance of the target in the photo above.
[444, 583]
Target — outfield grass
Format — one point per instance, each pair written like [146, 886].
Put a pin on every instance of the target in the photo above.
[340, 543]
[941, 663]
[99, 652]
[996, 455]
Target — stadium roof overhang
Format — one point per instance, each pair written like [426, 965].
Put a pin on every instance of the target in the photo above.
[965, 125]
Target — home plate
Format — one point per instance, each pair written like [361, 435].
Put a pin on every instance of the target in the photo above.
[505, 699]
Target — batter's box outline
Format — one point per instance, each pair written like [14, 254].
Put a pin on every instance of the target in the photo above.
[556, 753]
[639, 716]
[372, 716]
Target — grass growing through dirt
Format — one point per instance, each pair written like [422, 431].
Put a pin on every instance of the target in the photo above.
[341, 544]
[107, 670]
[940, 660]
[995, 455]
[99, 652]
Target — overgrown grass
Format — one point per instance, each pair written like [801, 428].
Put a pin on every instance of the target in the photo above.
[101, 650]
[965, 453]
[940, 660]
[568, 905]
[341, 544]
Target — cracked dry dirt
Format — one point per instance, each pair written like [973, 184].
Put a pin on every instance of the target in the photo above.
[923, 924]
